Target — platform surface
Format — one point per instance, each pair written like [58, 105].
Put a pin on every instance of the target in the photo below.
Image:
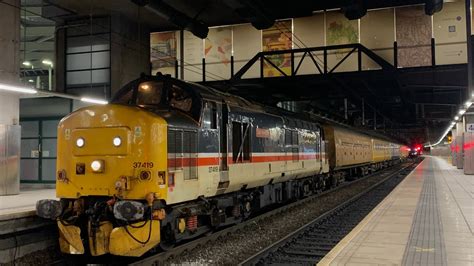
[23, 204]
[428, 219]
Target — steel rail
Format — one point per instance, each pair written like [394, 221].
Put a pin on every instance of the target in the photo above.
[253, 260]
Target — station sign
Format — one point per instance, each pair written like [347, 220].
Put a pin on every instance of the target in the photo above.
[469, 127]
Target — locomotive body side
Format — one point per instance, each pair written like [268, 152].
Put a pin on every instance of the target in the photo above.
[261, 148]
[169, 161]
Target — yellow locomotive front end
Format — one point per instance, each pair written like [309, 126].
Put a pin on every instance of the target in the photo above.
[110, 179]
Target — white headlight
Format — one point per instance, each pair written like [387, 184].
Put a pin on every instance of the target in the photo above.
[97, 166]
[117, 141]
[80, 142]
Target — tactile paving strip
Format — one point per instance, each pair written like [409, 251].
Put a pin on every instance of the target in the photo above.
[426, 242]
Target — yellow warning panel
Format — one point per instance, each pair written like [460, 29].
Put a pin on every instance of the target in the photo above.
[99, 238]
[136, 239]
[70, 238]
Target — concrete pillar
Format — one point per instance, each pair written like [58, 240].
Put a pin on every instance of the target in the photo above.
[130, 51]
[459, 144]
[468, 145]
[9, 102]
[453, 147]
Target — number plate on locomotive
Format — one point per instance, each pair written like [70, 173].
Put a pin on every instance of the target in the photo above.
[143, 165]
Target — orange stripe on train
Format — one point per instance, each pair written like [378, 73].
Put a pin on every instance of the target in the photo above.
[207, 161]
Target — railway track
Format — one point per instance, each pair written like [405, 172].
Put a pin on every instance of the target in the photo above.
[22, 236]
[312, 242]
[165, 257]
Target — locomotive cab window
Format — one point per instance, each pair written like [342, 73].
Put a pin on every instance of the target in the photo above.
[180, 99]
[149, 93]
[161, 94]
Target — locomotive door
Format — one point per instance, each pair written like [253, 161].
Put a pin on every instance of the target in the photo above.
[223, 147]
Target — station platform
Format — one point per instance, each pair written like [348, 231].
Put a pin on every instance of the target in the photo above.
[23, 204]
[428, 219]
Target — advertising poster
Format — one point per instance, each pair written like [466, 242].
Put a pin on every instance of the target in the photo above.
[163, 52]
[413, 36]
[193, 54]
[218, 51]
[340, 30]
[218, 45]
[278, 37]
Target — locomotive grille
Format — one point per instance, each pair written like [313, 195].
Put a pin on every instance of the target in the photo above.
[190, 151]
[182, 152]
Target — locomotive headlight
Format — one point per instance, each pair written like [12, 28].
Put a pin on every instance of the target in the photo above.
[97, 166]
[80, 142]
[117, 141]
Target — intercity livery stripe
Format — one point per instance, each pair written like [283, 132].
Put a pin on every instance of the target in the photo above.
[208, 159]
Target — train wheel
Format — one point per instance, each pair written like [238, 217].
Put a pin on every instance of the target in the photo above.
[168, 240]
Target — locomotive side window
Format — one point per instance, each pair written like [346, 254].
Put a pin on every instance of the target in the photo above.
[149, 93]
[209, 118]
[291, 143]
[295, 149]
[240, 142]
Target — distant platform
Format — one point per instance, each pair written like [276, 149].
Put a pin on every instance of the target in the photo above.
[427, 220]
[23, 204]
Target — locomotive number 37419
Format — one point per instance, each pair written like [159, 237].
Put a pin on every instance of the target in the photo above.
[142, 164]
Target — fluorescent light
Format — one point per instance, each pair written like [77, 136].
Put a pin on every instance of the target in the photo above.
[468, 103]
[6, 87]
[451, 126]
[47, 62]
[30, 80]
[26, 63]
[90, 100]
[456, 117]
[461, 112]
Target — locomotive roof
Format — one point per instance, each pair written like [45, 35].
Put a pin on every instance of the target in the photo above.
[209, 93]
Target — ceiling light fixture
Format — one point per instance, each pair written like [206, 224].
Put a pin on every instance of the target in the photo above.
[47, 62]
[461, 112]
[7, 87]
[26, 63]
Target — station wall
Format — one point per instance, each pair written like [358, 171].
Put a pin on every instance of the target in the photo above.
[378, 30]
[39, 136]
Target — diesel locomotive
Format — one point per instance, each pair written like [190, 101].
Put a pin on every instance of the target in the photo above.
[168, 160]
